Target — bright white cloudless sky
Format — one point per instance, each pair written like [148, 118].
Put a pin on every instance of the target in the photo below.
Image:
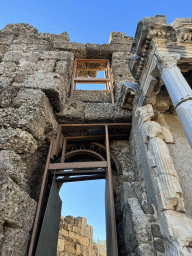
[88, 22]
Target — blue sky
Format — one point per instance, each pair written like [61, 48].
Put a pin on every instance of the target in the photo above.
[88, 22]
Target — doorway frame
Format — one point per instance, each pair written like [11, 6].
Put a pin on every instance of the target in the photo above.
[59, 145]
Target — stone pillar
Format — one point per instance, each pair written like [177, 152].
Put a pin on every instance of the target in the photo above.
[178, 89]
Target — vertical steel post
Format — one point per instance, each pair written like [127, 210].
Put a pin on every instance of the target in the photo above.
[111, 234]
[63, 151]
[40, 205]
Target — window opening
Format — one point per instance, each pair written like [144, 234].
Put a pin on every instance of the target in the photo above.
[94, 74]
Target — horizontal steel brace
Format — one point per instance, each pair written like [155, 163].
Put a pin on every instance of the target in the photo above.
[92, 177]
[77, 165]
[83, 172]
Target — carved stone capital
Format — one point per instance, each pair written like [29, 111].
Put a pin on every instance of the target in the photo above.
[165, 61]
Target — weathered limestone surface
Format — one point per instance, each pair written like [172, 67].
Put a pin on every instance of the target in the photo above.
[176, 228]
[155, 174]
[20, 141]
[182, 158]
[75, 111]
[120, 71]
[92, 96]
[32, 113]
[17, 209]
[106, 112]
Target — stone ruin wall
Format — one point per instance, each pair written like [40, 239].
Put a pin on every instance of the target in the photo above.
[75, 238]
[35, 74]
[151, 188]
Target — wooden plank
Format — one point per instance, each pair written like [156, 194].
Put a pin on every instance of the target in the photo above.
[91, 80]
[77, 165]
[91, 60]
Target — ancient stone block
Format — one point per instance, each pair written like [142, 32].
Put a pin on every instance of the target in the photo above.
[132, 190]
[33, 114]
[69, 219]
[17, 211]
[73, 112]
[176, 228]
[127, 95]
[155, 229]
[92, 50]
[15, 168]
[144, 114]
[63, 233]
[46, 65]
[100, 112]
[106, 50]
[151, 130]
[17, 140]
[93, 96]
[144, 250]
[148, 208]
[60, 245]
[70, 247]
[137, 231]
[51, 83]
[166, 183]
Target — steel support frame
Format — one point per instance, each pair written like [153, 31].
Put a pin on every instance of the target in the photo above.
[60, 143]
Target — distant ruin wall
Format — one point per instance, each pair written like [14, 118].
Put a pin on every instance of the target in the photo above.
[76, 238]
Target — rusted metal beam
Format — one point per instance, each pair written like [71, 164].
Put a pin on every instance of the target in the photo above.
[73, 77]
[57, 143]
[91, 177]
[111, 86]
[77, 165]
[91, 60]
[63, 150]
[94, 137]
[112, 248]
[80, 172]
[91, 80]
[40, 205]
[98, 126]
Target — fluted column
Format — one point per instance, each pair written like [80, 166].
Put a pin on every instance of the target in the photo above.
[178, 89]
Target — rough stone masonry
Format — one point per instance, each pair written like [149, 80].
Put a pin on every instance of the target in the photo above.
[151, 77]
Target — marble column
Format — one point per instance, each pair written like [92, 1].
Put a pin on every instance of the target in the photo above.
[178, 89]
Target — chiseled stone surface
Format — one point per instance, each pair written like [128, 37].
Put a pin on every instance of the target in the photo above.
[20, 141]
[176, 228]
[137, 233]
[32, 113]
[93, 96]
[17, 209]
[106, 112]
[181, 154]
